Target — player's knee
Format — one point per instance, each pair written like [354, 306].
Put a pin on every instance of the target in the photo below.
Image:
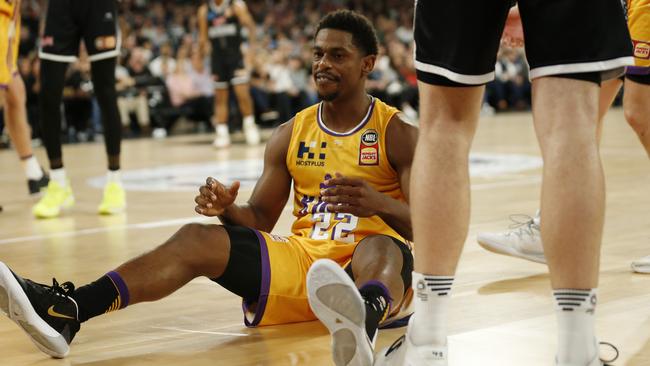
[638, 120]
[198, 241]
[378, 254]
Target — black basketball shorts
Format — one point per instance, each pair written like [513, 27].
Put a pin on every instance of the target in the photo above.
[459, 40]
[227, 70]
[67, 22]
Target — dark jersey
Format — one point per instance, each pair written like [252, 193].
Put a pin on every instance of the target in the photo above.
[224, 29]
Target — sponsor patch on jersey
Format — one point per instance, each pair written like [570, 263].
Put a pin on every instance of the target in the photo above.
[369, 148]
[105, 43]
[641, 50]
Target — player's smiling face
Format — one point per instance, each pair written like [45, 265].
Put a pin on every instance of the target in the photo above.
[338, 65]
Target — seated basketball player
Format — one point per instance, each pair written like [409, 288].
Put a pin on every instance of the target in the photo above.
[349, 159]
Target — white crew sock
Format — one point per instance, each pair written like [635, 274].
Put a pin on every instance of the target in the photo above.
[32, 168]
[248, 121]
[575, 324]
[432, 297]
[113, 176]
[222, 129]
[58, 175]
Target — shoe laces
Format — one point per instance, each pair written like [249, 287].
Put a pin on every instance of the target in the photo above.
[64, 289]
[522, 224]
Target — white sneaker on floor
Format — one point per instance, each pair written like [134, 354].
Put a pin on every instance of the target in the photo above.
[336, 301]
[252, 134]
[221, 141]
[404, 353]
[523, 240]
[597, 360]
[641, 265]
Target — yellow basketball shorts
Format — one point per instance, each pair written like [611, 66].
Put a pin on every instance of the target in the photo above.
[283, 292]
[638, 17]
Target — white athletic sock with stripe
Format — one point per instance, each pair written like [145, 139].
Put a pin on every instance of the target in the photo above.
[575, 319]
[432, 297]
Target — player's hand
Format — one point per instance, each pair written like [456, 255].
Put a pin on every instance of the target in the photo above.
[352, 195]
[513, 33]
[214, 197]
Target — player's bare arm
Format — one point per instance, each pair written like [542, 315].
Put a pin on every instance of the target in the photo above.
[269, 196]
[357, 197]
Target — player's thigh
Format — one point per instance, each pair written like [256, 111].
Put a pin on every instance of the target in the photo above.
[458, 40]
[383, 253]
[575, 37]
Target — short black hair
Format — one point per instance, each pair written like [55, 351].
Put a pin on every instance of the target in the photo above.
[363, 33]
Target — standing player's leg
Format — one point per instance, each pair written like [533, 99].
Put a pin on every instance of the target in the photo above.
[101, 37]
[58, 195]
[59, 46]
[103, 77]
[566, 92]
[241, 86]
[637, 107]
[451, 84]
[221, 101]
[637, 113]
[15, 114]
[52, 315]
[524, 240]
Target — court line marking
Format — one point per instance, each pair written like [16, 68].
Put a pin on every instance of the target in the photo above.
[201, 331]
[200, 219]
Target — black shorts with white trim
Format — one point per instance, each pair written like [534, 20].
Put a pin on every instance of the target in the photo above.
[459, 40]
[67, 22]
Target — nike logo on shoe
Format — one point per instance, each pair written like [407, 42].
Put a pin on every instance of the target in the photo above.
[52, 312]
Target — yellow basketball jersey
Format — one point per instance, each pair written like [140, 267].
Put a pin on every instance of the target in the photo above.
[7, 8]
[316, 154]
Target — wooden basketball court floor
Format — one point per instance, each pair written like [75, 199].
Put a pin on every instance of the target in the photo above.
[502, 312]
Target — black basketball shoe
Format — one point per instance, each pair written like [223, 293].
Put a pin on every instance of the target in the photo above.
[46, 313]
[35, 185]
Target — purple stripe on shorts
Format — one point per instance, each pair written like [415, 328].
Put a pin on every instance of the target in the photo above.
[382, 287]
[265, 286]
[121, 288]
[637, 70]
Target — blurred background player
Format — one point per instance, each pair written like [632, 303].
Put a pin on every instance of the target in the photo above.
[566, 87]
[12, 96]
[524, 240]
[220, 22]
[67, 22]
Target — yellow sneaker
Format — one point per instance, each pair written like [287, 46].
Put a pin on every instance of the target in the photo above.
[54, 200]
[114, 200]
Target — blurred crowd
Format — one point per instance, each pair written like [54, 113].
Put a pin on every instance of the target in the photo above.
[162, 77]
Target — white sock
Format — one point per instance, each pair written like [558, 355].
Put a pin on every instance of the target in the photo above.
[32, 168]
[58, 175]
[222, 129]
[432, 297]
[113, 176]
[248, 121]
[575, 324]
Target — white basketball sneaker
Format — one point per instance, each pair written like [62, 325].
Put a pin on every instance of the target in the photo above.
[336, 301]
[222, 139]
[251, 132]
[404, 353]
[523, 240]
[641, 265]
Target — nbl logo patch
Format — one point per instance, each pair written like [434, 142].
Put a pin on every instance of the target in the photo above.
[369, 148]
